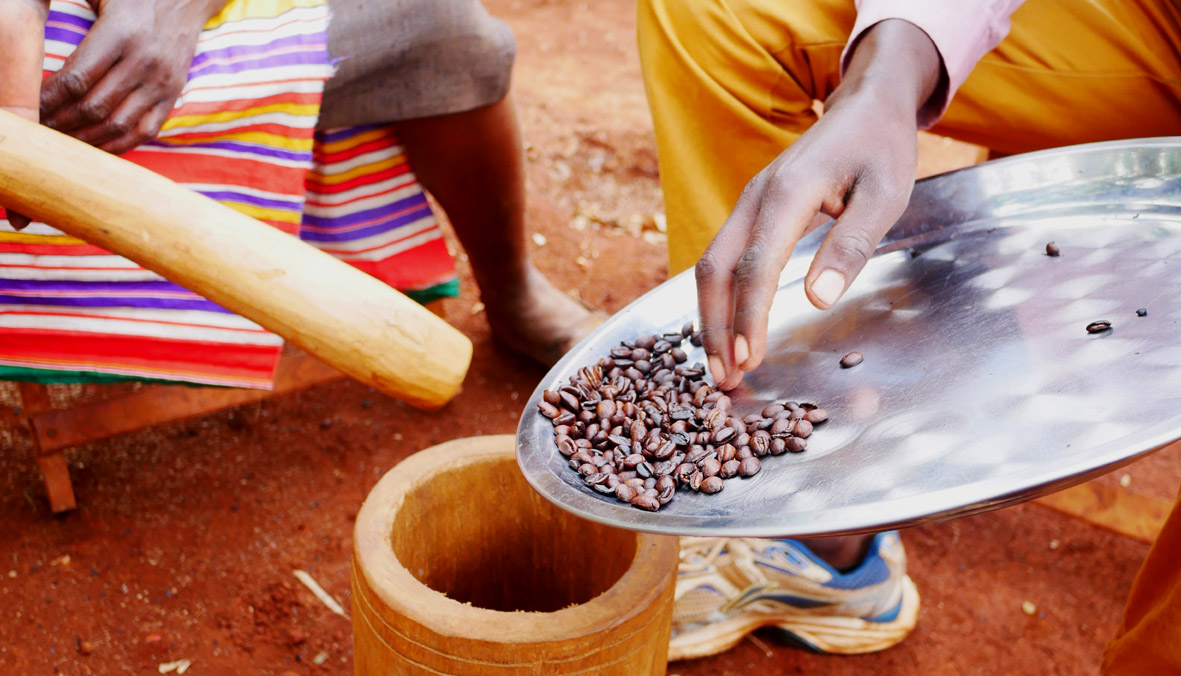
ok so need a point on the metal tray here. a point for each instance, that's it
(980, 387)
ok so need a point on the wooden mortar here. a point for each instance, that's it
(460, 567)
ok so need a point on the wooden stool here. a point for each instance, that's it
(460, 567)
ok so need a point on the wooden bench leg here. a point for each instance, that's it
(54, 470)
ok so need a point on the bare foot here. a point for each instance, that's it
(538, 321)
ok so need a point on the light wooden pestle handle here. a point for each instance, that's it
(345, 317)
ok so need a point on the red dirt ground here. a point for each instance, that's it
(187, 534)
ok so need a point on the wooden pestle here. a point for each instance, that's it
(337, 313)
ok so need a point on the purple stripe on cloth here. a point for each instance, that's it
(159, 286)
(63, 35)
(67, 18)
(416, 200)
(239, 51)
(90, 301)
(276, 61)
(368, 231)
(294, 204)
(239, 147)
(341, 134)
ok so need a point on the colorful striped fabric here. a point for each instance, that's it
(242, 132)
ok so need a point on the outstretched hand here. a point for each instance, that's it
(856, 165)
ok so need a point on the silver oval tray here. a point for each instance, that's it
(980, 387)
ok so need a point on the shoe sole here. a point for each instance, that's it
(826, 634)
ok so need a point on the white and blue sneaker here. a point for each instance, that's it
(729, 587)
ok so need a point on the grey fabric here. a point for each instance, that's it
(405, 59)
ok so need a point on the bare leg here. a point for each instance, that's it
(473, 163)
(843, 553)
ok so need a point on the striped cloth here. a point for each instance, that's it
(242, 132)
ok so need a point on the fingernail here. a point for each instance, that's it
(829, 286)
(741, 350)
(717, 370)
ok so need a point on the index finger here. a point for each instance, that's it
(97, 53)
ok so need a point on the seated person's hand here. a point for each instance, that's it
(117, 89)
(856, 165)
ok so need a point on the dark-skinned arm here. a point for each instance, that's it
(22, 31)
(856, 165)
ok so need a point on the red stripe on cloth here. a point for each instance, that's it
(196, 167)
(355, 151)
(396, 188)
(237, 105)
(316, 186)
(417, 268)
(213, 361)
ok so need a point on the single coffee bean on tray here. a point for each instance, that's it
(1099, 326)
(641, 423)
(1053, 250)
(1142, 312)
(852, 359)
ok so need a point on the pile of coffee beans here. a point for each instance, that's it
(641, 424)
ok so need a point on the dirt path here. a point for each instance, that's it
(187, 535)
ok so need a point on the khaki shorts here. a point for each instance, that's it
(405, 59)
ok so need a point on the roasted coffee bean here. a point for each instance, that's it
(566, 447)
(696, 339)
(635, 482)
(782, 428)
(604, 489)
(680, 438)
(696, 454)
(665, 495)
(684, 472)
(803, 429)
(650, 482)
(750, 467)
(743, 439)
(674, 338)
(624, 493)
(796, 444)
(726, 452)
(640, 354)
(623, 363)
(710, 467)
(772, 410)
(760, 446)
(646, 502)
(716, 418)
(644, 366)
(662, 346)
(644, 469)
(816, 416)
(778, 446)
(633, 460)
(681, 413)
(646, 342)
(790, 405)
(587, 469)
(596, 478)
(551, 397)
(729, 468)
(620, 441)
(696, 479)
(599, 461)
(723, 435)
(798, 414)
(584, 444)
(663, 468)
(678, 355)
(852, 359)
(605, 408)
(665, 451)
(548, 410)
(1142, 312)
(712, 485)
(1099, 326)
(620, 352)
(1053, 250)
(687, 329)
(570, 401)
(744, 452)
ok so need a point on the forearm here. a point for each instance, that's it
(896, 65)
(22, 31)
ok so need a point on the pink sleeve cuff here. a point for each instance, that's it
(963, 31)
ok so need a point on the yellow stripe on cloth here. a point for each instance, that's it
(296, 109)
(353, 141)
(241, 10)
(22, 238)
(258, 137)
(364, 170)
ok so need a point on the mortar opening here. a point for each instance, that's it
(480, 535)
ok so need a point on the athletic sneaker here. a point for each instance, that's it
(729, 587)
